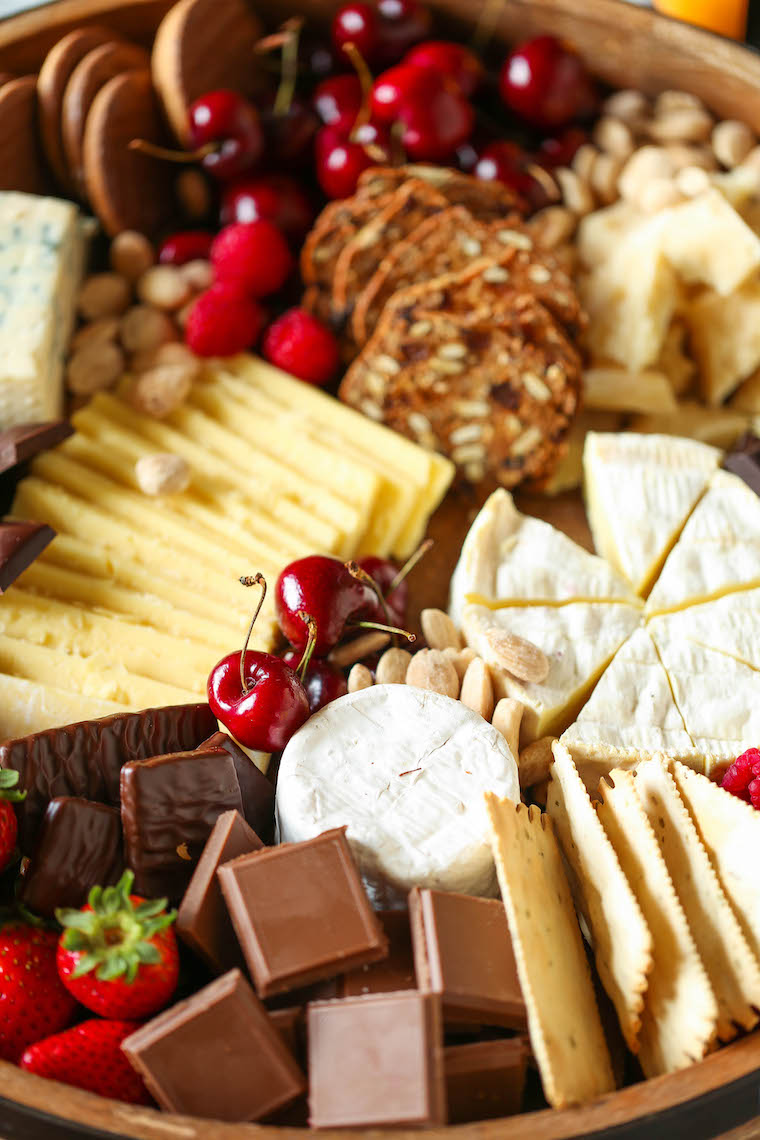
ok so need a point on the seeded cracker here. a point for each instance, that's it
(730, 830)
(620, 937)
(731, 967)
(680, 1010)
(565, 1029)
(487, 201)
(493, 386)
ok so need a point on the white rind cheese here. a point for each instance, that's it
(405, 770)
(42, 253)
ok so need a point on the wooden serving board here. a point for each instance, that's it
(626, 46)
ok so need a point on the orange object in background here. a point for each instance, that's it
(729, 17)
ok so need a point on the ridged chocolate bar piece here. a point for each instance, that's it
(85, 759)
(20, 543)
(255, 788)
(26, 440)
(78, 847)
(169, 805)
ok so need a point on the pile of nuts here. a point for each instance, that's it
(132, 322)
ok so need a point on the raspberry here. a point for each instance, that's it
(300, 344)
(743, 777)
(253, 255)
(223, 321)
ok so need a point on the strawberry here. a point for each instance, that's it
(33, 1001)
(89, 1056)
(9, 795)
(118, 954)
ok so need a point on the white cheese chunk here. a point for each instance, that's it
(42, 253)
(405, 770)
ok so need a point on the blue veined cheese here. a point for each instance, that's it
(42, 255)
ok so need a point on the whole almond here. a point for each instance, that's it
(143, 328)
(171, 352)
(362, 646)
(94, 367)
(392, 667)
(131, 254)
(164, 287)
(460, 658)
(517, 656)
(359, 678)
(506, 719)
(162, 474)
(104, 295)
(198, 274)
(535, 761)
(477, 689)
(439, 630)
(162, 390)
(432, 669)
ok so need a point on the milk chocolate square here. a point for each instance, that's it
(485, 1079)
(255, 788)
(376, 1061)
(22, 442)
(463, 951)
(396, 972)
(301, 913)
(216, 1055)
(203, 922)
(78, 847)
(169, 805)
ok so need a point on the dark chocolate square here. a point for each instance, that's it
(78, 847)
(301, 913)
(463, 951)
(485, 1079)
(216, 1055)
(203, 922)
(169, 805)
(396, 972)
(376, 1061)
(255, 788)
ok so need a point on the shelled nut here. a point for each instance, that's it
(507, 717)
(432, 669)
(104, 295)
(359, 678)
(131, 254)
(439, 630)
(392, 667)
(162, 474)
(164, 287)
(94, 367)
(477, 689)
(143, 328)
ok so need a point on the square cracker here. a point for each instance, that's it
(680, 1010)
(620, 938)
(730, 830)
(565, 1029)
(731, 966)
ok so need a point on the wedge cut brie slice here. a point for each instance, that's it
(729, 625)
(579, 639)
(640, 490)
(718, 551)
(511, 559)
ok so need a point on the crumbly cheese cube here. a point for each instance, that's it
(707, 242)
(42, 250)
(725, 339)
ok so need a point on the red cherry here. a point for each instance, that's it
(323, 588)
(290, 134)
(383, 572)
(337, 101)
(546, 83)
(223, 321)
(355, 23)
(188, 245)
(322, 681)
(265, 711)
(397, 87)
(252, 255)
(339, 162)
(300, 344)
(401, 23)
(274, 197)
(560, 149)
(447, 58)
(433, 131)
(503, 162)
(229, 121)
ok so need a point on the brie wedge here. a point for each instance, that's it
(729, 625)
(718, 551)
(512, 559)
(640, 490)
(579, 639)
(404, 770)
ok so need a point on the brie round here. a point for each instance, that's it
(404, 769)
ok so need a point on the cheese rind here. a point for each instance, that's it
(404, 769)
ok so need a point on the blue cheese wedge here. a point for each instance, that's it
(42, 254)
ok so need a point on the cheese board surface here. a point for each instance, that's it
(628, 47)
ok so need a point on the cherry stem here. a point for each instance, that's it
(251, 580)
(308, 652)
(385, 629)
(356, 571)
(398, 154)
(286, 39)
(365, 79)
(410, 564)
(165, 152)
(544, 179)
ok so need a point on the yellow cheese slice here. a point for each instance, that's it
(29, 706)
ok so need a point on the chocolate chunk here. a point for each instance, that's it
(485, 1079)
(24, 441)
(78, 847)
(475, 975)
(255, 788)
(169, 805)
(20, 543)
(85, 759)
(396, 972)
(376, 1061)
(744, 460)
(300, 912)
(203, 922)
(290, 1023)
(216, 1055)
